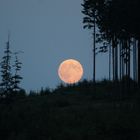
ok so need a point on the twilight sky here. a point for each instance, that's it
(48, 32)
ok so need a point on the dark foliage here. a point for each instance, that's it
(72, 112)
(16, 78)
(9, 86)
(118, 24)
(6, 84)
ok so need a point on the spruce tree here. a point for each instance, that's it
(6, 83)
(16, 78)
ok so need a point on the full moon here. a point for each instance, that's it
(70, 71)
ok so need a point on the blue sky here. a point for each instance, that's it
(48, 31)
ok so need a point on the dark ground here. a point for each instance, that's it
(72, 113)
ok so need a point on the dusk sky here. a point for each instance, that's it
(48, 32)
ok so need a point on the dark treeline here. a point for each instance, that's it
(72, 112)
(104, 89)
(117, 28)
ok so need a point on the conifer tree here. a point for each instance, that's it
(16, 78)
(118, 24)
(6, 83)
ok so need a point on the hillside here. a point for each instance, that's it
(67, 116)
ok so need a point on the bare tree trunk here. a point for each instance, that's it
(123, 63)
(109, 62)
(115, 58)
(134, 59)
(116, 62)
(125, 57)
(113, 69)
(94, 50)
(139, 62)
(120, 59)
(129, 57)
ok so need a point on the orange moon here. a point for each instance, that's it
(70, 71)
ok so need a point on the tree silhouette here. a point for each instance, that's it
(90, 23)
(118, 24)
(16, 78)
(6, 84)
(10, 81)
